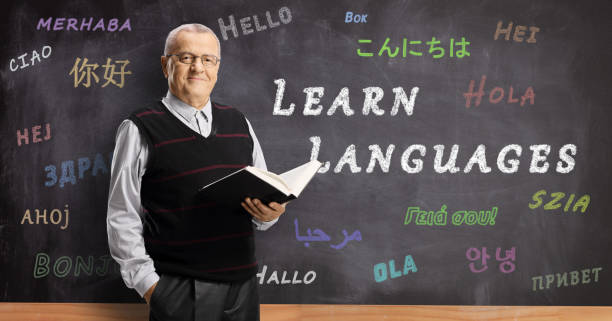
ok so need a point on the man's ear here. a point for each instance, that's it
(164, 64)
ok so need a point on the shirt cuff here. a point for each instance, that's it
(146, 283)
(262, 226)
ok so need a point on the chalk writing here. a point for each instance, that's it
(85, 25)
(45, 52)
(372, 96)
(308, 278)
(284, 16)
(319, 236)
(84, 164)
(380, 269)
(440, 218)
(434, 48)
(582, 203)
(496, 95)
(519, 32)
(355, 17)
(55, 217)
(506, 266)
(356, 236)
(584, 276)
(87, 72)
(23, 136)
(63, 265)
(539, 163)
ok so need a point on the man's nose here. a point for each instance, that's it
(197, 65)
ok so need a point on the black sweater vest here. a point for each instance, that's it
(183, 234)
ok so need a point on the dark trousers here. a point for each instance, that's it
(181, 298)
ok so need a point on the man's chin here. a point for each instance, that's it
(197, 92)
(197, 86)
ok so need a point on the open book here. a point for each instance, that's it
(257, 183)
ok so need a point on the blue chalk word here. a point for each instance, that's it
(355, 18)
(380, 269)
(84, 166)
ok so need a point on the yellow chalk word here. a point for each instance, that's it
(555, 201)
(85, 73)
(56, 216)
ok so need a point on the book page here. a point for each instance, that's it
(299, 177)
(270, 178)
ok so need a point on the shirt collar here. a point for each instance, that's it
(185, 110)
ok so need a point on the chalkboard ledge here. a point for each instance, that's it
(294, 312)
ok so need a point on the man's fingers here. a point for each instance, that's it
(259, 210)
(248, 209)
(263, 208)
(252, 206)
(262, 211)
(276, 206)
(243, 204)
(253, 213)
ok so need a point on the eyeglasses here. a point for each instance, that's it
(188, 59)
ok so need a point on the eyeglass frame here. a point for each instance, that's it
(217, 59)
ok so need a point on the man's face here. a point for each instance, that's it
(191, 83)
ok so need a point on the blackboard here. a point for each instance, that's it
(366, 231)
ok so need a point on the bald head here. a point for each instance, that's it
(191, 27)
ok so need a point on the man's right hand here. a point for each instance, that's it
(147, 295)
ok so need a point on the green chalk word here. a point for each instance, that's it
(555, 201)
(440, 218)
(585, 276)
(66, 265)
(435, 48)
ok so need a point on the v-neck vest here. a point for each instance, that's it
(183, 234)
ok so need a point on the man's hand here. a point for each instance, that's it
(147, 295)
(262, 212)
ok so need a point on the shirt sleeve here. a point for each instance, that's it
(259, 162)
(123, 220)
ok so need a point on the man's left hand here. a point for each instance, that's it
(261, 211)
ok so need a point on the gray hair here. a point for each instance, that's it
(193, 27)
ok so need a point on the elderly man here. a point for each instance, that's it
(189, 259)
